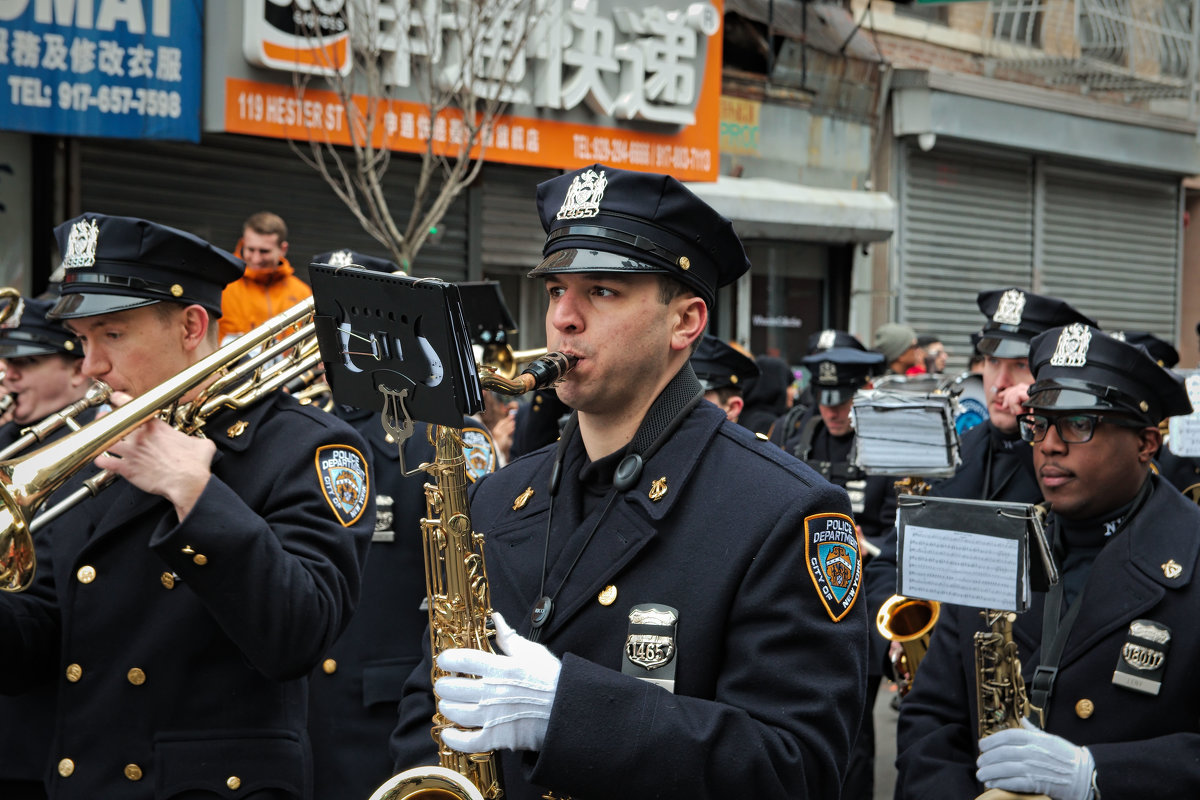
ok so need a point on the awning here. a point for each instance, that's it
(762, 208)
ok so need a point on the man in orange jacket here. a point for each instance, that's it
(269, 284)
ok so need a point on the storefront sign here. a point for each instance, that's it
(635, 86)
(739, 125)
(120, 68)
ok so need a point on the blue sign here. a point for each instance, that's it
(128, 69)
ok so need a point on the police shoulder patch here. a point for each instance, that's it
(342, 472)
(480, 452)
(831, 554)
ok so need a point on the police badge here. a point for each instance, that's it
(479, 452)
(827, 339)
(1072, 347)
(650, 644)
(831, 552)
(341, 258)
(827, 373)
(1010, 308)
(342, 472)
(584, 195)
(81, 245)
(1143, 657)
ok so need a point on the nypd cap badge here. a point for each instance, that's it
(831, 553)
(342, 472)
(1072, 347)
(1010, 308)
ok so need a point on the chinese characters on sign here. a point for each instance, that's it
(632, 85)
(101, 68)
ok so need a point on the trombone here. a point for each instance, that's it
(234, 376)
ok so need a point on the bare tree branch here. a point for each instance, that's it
(466, 90)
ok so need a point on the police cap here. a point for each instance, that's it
(718, 365)
(841, 371)
(27, 332)
(1080, 368)
(603, 219)
(1161, 351)
(823, 340)
(117, 263)
(1015, 316)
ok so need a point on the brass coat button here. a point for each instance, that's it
(168, 579)
(136, 676)
(65, 767)
(74, 672)
(133, 772)
(86, 574)
(329, 665)
(200, 559)
(1085, 708)
(233, 782)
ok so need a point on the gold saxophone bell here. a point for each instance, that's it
(503, 360)
(909, 622)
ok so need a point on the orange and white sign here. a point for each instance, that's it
(310, 36)
(637, 88)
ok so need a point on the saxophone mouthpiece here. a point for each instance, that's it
(547, 370)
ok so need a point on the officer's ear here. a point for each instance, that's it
(1149, 443)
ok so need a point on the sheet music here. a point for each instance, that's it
(968, 569)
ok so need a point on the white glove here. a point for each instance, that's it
(1028, 759)
(509, 703)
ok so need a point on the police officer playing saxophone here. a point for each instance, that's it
(657, 635)
(44, 376)
(1109, 652)
(354, 692)
(180, 612)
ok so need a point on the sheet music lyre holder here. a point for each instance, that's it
(397, 343)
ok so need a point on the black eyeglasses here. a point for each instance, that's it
(1072, 428)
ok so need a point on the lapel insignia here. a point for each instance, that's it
(826, 340)
(658, 489)
(1143, 657)
(479, 452)
(343, 474)
(523, 498)
(650, 645)
(608, 595)
(1072, 347)
(81, 244)
(831, 552)
(584, 195)
(237, 429)
(383, 519)
(1010, 308)
(1172, 569)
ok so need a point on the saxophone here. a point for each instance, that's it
(999, 688)
(456, 587)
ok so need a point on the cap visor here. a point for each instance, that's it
(1069, 400)
(576, 260)
(23, 349)
(998, 347)
(835, 396)
(76, 305)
